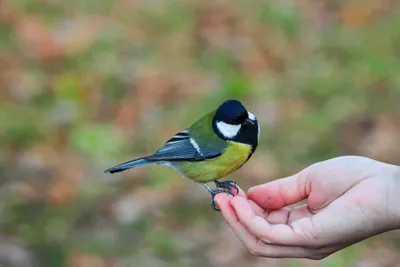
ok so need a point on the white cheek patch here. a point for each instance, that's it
(228, 130)
(251, 116)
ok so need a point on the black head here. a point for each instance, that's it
(233, 122)
(231, 112)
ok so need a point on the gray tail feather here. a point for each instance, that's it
(129, 164)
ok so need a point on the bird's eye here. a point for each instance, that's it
(241, 118)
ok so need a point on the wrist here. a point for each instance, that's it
(393, 196)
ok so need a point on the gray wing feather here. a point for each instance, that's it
(180, 147)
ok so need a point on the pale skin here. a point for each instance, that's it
(348, 198)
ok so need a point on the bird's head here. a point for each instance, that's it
(232, 121)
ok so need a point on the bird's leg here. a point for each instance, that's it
(214, 192)
(227, 184)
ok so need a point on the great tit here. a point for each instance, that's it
(213, 147)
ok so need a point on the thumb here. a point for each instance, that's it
(282, 192)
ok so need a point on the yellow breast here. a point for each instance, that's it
(235, 155)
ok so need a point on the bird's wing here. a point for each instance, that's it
(183, 147)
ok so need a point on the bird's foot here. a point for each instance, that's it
(214, 192)
(227, 185)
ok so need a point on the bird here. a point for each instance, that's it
(213, 147)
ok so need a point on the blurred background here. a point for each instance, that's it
(85, 85)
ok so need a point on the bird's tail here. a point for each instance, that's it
(129, 164)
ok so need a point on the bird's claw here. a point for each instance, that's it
(227, 185)
(214, 193)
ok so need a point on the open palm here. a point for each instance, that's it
(348, 199)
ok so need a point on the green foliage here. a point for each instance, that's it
(97, 141)
(20, 127)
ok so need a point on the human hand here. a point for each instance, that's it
(348, 199)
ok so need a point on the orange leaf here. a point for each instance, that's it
(39, 39)
(354, 15)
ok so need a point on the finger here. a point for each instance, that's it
(298, 213)
(222, 200)
(258, 210)
(280, 234)
(252, 243)
(282, 192)
(230, 216)
(278, 216)
(276, 251)
(272, 216)
(241, 192)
